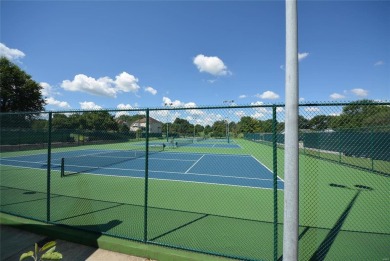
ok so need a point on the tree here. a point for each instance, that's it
(249, 125)
(207, 130)
(98, 121)
(18, 92)
(219, 129)
(266, 126)
(320, 122)
(303, 123)
(61, 121)
(181, 127)
(363, 113)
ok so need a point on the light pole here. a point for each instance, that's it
(168, 104)
(229, 102)
(227, 129)
(194, 126)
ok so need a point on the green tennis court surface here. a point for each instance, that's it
(342, 217)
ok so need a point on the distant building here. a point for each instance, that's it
(155, 126)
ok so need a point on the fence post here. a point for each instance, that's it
(48, 167)
(371, 148)
(146, 176)
(339, 143)
(19, 138)
(275, 180)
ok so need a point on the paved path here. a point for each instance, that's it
(15, 242)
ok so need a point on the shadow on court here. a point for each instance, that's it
(323, 249)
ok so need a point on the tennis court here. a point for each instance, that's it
(212, 143)
(190, 195)
(234, 170)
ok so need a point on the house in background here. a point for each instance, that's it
(155, 126)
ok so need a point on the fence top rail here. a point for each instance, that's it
(234, 106)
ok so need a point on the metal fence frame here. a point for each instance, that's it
(274, 140)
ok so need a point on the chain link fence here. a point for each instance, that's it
(205, 179)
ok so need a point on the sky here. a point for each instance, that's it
(147, 54)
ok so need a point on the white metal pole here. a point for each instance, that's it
(291, 160)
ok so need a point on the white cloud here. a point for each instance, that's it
(46, 90)
(379, 63)
(240, 114)
(193, 112)
(54, 102)
(242, 96)
(302, 56)
(10, 54)
(89, 106)
(268, 95)
(126, 82)
(169, 103)
(260, 111)
(335, 114)
(190, 105)
(124, 106)
(336, 96)
(257, 103)
(104, 86)
(301, 99)
(360, 92)
(257, 115)
(176, 103)
(210, 64)
(151, 90)
(312, 109)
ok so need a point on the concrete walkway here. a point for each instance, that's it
(14, 242)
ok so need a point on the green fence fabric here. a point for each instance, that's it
(205, 179)
(369, 143)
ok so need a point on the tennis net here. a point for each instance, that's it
(183, 142)
(103, 159)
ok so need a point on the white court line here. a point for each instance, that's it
(185, 181)
(170, 172)
(267, 168)
(142, 170)
(33, 162)
(194, 163)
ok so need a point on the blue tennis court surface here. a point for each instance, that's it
(223, 169)
(203, 144)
